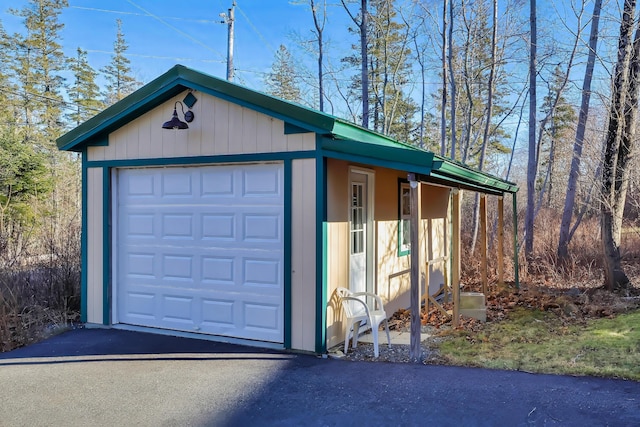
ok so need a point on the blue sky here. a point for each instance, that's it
(161, 33)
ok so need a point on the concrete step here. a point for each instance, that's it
(472, 304)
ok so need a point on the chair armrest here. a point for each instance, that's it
(352, 298)
(378, 300)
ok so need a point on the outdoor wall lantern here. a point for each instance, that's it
(175, 122)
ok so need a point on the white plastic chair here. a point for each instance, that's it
(357, 313)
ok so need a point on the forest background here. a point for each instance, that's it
(544, 95)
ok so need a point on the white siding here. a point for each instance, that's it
(95, 229)
(303, 255)
(219, 128)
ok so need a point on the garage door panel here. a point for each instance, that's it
(141, 305)
(139, 265)
(216, 184)
(262, 273)
(202, 250)
(178, 309)
(178, 267)
(139, 186)
(176, 184)
(261, 183)
(218, 270)
(217, 313)
(218, 227)
(261, 227)
(262, 316)
(178, 226)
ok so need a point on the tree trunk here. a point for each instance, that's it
(487, 125)
(364, 68)
(532, 163)
(364, 57)
(443, 111)
(574, 172)
(452, 82)
(617, 149)
(319, 32)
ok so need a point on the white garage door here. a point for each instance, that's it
(200, 249)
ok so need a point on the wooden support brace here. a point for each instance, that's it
(455, 255)
(500, 241)
(416, 326)
(483, 243)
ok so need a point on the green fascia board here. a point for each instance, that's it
(394, 156)
(178, 79)
(448, 169)
(345, 130)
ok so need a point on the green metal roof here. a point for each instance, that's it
(340, 139)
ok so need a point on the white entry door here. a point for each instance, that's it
(360, 232)
(201, 249)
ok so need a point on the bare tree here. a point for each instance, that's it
(452, 83)
(443, 110)
(364, 71)
(532, 163)
(319, 20)
(618, 145)
(569, 202)
(487, 124)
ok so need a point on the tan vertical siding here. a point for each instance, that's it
(337, 246)
(219, 128)
(392, 278)
(303, 255)
(95, 222)
(337, 275)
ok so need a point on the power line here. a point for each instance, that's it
(67, 104)
(179, 31)
(141, 55)
(253, 27)
(122, 12)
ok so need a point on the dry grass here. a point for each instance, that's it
(36, 302)
(560, 320)
(541, 341)
(39, 295)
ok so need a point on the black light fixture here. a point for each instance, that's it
(175, 122)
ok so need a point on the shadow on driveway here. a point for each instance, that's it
(112, 377)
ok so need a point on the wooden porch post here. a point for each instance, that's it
(455, 255)
(414, 231)
(516, 269)
(483, 242)
(500, 241)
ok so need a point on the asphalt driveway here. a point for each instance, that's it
(95, 377)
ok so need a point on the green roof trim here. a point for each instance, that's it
(450, 170)
(337, 138)
(178, 79)
(398, 157)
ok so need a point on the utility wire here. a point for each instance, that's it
(141, 55)
(253, 27)
(67, 104)
(122, 12)
(179, 31)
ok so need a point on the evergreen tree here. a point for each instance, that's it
(84, 91)
(37, 65)
(282, 81)
(7, 88)
(393, 110)
(555, 136)
(24, 177)
(120, 82)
